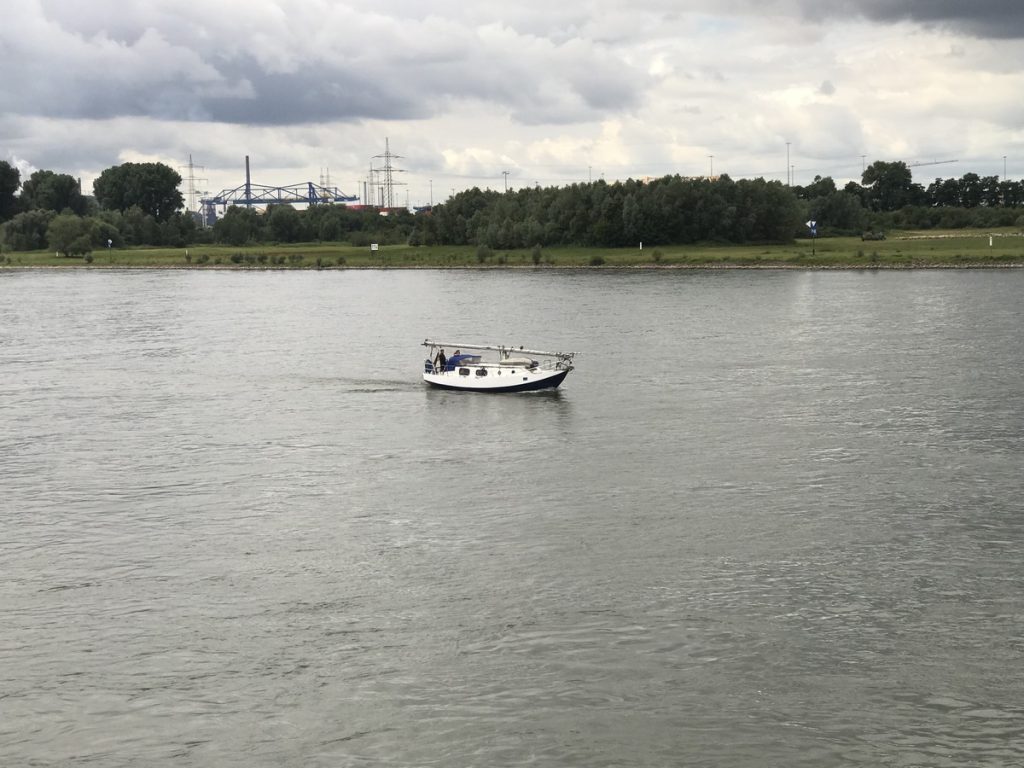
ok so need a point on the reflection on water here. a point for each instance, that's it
(772, 518)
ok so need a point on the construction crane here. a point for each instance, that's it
(932, 162)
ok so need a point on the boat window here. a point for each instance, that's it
(481, 371)
(463, 371)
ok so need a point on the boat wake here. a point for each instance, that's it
(372, 386)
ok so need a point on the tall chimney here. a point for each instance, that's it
(248, 185)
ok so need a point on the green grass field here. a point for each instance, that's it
(958, 248)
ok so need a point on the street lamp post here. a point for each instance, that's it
(1003, 182)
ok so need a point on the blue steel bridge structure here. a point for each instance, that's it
(249, 195)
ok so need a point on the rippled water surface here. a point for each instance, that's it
(772, 519)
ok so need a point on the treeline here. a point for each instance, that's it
(132, 204)
(322, 223)
(667, 210)
(674, 210)
(138, 204)
(888, 198)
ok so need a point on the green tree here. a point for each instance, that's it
(104, 235)
(178, 231)
(27, 231)
(774, 212)
(820, 187)
(139, 228)
(991, 194)
(427, 226)
(330, 229)
(944, 192)
(10, 180)
(632, 227)
(70, 234)
(890, 186)
(970, 190)
(152, 187)
(284, 223)
(840, 212)
(237, 227)
(855, 189)
(49, 191)
(1011, 193)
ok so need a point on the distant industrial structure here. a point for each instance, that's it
(379, 188)
(378, 191)
(250, 194)
(192, 179)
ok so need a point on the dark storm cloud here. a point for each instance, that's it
(309, 96)
(315, 95)
(77, 65)
(1003, 19)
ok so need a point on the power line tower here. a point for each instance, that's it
(388, 183)
(192, 179)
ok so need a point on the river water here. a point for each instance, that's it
(774, 518)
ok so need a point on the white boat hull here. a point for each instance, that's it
(495, 378)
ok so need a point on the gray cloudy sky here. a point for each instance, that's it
(551, 92)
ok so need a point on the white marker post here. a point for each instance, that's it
(813, 226)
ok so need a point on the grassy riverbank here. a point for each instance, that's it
(958, 248)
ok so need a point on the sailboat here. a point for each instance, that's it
(494, 368)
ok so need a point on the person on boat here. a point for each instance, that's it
(440, 361)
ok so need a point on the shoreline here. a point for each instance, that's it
(517, 267)
(935, 249)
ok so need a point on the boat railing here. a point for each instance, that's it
(501, 349)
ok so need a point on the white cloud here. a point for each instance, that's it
(550, 93)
